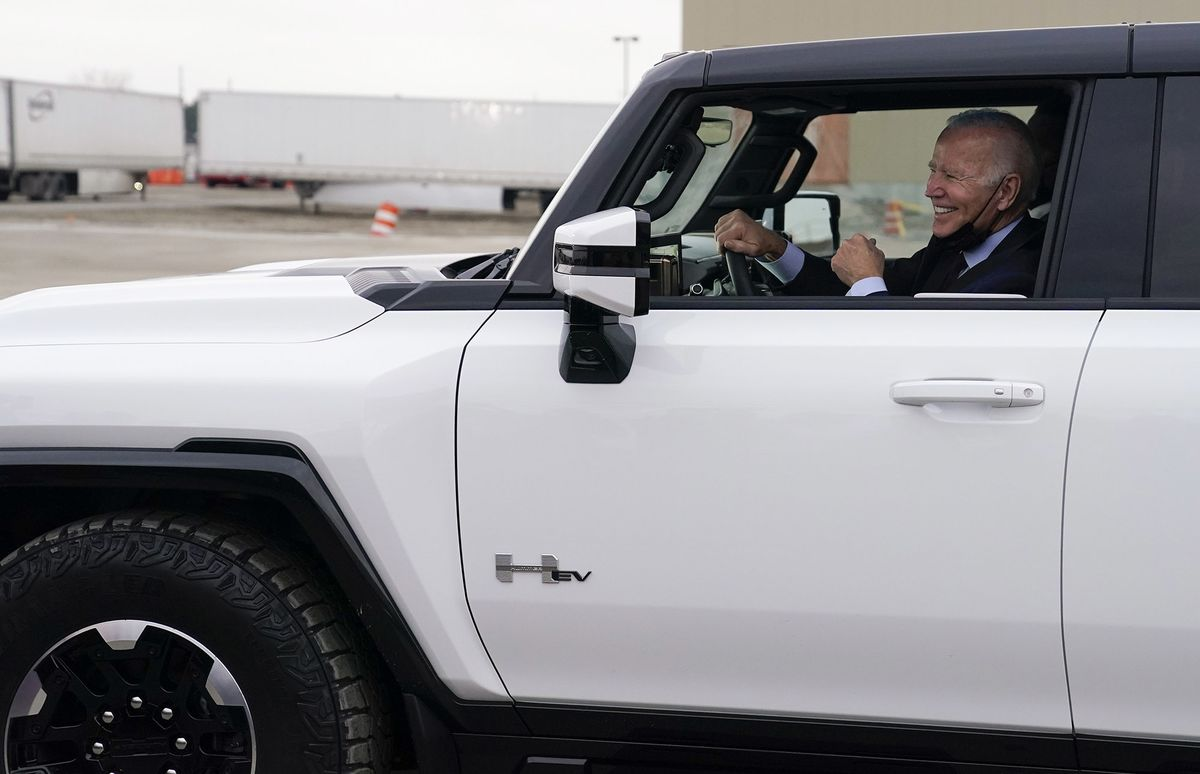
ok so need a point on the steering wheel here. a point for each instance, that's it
(739, 274)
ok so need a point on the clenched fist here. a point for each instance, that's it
(857, 258)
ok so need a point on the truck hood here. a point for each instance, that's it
(292, 301)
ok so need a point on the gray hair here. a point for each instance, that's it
(1015, 152)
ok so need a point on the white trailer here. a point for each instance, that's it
(57, 140)
(462, 154)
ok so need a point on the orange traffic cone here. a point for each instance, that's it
(385, 219)
(893, 218)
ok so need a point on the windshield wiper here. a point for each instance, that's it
(490, 268)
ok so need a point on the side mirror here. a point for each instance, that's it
(714, 132)
(604, 259)
(602, 266)
(811, 219)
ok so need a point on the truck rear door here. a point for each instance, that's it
(1131, 531)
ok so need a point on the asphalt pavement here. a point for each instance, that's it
(190, 229)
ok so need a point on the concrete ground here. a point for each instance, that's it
(191, 229)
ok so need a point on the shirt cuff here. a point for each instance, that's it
(866, 286)
(787, 266)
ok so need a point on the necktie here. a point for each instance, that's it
(949, 267)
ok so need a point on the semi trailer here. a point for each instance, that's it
(58, 140)
(437, 153)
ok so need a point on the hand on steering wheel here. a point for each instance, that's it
(737, 231)
(739, 274)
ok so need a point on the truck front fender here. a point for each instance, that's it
(79, 482)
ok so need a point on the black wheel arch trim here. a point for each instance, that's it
(280, 472)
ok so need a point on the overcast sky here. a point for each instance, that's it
(490, 49)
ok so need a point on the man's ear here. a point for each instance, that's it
(1010, 188)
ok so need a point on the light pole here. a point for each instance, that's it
(625, 40)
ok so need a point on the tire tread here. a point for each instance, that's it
(361, 717)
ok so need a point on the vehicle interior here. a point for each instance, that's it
(816, 164)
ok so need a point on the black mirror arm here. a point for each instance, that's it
(596, 347)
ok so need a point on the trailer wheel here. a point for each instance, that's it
(156, 641)
(34, 187)
(44, 185)
(56, 188)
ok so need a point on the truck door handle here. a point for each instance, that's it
(986, 392)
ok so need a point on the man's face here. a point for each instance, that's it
(960, 181)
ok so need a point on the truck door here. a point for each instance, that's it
(758, 521)
(1131, 531)
(751, 524)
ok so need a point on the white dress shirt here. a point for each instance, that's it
(788, 265)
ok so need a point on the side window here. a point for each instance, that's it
(1175, 272)
(881, 173)
(811, 166)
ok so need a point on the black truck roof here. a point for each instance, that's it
(1123, 49)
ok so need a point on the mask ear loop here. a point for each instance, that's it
(985, 206)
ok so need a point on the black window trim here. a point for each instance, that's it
(1046, 285)
(1092, 139)
(801, 303)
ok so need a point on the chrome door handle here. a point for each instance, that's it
(986, 392)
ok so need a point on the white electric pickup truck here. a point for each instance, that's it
(616, 501)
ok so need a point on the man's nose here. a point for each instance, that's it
(933, 187)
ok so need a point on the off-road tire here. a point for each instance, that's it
(264, 611)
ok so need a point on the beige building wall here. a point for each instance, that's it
(720, 24)
(872, 148)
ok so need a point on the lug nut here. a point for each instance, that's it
(167, 713)
(180, 743)
(107, 717)
(97, 748)
(136, 702)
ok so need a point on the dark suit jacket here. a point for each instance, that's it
(1011, 268)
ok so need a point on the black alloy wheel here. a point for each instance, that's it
(147, 643)
(124, 695)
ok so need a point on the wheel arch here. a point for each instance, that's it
(269, 484)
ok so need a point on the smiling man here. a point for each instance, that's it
(982, 176)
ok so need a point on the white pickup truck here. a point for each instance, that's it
(352, 516)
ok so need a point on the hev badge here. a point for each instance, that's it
(548, 569)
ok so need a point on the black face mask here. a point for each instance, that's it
(968, 236)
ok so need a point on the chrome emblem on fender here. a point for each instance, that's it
(548, 569)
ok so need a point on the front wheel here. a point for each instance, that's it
(144, 643)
